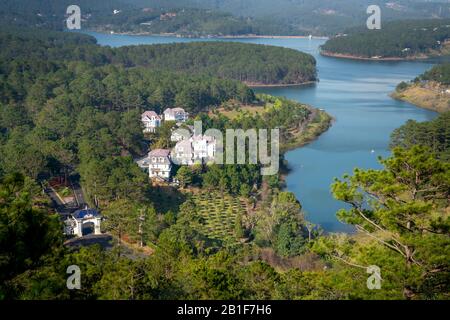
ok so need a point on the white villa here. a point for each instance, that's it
(175, 114)
(151, 121)
(158, 163)
(196, 149)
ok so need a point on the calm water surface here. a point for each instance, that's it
(355, 93)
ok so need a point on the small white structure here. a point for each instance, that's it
(151, 120)
(82, 219)
(175, 114)
(159, 164)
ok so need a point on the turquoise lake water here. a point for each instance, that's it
(355, 93)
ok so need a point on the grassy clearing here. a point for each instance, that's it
(235, 112)
(219, 213)
(424, 98)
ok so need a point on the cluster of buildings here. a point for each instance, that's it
(189, 149)
(151, 120)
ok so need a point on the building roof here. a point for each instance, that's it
(85, 213)
(174, 111)
(150, 114)
(203, 138)
(159, 153)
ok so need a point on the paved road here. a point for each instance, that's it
(78, 193)
(60, 206)
(104, 240)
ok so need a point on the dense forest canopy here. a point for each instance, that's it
(400, 39)
(62, 105)
(439, 73)
(231, 60)
(434, 134)
(407, 237)
(237, 61)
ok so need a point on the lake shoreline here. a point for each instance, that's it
(351, 57)
(307, 137)
(280, 85)
(423, 98)
(175, 35)
(310, 134)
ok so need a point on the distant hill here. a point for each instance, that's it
(188, 22)
(314, 16)
(409, 39)
(51, 13)
(214, 17)
(115, 15)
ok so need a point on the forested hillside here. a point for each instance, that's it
(434, 134)
(188, 22)
(53, 96)
(210, 17)
(115, 15)
(401, 39)
(51, 13)
(254, 64)
(319, 17)
(439, 73)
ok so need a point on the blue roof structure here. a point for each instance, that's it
(81, 214)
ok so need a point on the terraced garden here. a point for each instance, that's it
(220, 213)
